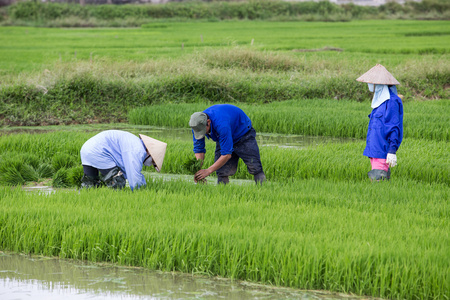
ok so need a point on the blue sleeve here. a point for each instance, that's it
(199, 145)
(394, 125)
(225, 140)
(133, 168)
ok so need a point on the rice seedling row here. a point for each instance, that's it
(387, 240)
(420, 160)
(318, 117)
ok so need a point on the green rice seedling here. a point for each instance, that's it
(381, 240)
(45, 170)
(10, 161)
(318, 117)
(28, 173)
(45, 145)
(192, 165)
(11, 176)
(60, 179)
(10, 166)
(62, 160)
(422, 160)
(74, 176)
(29, 158)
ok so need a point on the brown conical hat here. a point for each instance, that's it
(378, 75)
(157, 150)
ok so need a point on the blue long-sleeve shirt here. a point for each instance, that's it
(116, 148)
(228, 124)
(385, 133)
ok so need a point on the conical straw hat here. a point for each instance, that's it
(157, 150)
(378, 75)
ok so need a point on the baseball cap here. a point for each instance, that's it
(198, 123)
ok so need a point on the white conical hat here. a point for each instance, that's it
(378, 75)
(157, 150)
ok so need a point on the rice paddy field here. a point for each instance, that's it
(318, 223)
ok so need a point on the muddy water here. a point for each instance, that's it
(41, 278)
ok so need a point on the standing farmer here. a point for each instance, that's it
(385, 131)
(232, 130)
(119, 155)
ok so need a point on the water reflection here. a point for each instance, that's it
(25, 277)
(44, 190)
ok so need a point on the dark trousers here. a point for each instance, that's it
(93, 172)
(247, 149)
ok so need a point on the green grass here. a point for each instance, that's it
(74, 15)
(48, 84)
(387, 240)
(396, 41)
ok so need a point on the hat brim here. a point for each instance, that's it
(378, 75)
(199, 134)
(156, 149)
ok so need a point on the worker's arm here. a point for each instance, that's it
(200, 156)
(214, 167)
(132, 168)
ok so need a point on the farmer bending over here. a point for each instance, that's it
(119, 155)
(232, 130)
(385, 131)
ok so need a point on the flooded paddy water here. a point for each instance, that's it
(183, 134)
(43, 278)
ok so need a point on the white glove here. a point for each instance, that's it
(391, 160)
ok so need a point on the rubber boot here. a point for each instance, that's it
(115, 179)
(378, 175)
(89, 182)
(223, 180)
(260, 178)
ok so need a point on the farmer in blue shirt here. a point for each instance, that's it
(119, 155)
(232, 130)
(385, 132)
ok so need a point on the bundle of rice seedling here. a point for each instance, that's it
(74, 176)
(28, 173)
(60, 179)
(62, 160)
(193, 165)
(10, 167)
(11, 176)
(45, 170)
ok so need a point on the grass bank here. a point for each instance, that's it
(98, 75)
(387, 240)
(73, 15)
(95, 93)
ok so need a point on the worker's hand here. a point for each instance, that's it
(203, 173)
(391, 160)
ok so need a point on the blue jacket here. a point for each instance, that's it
(116, 148)
(385, 131)
(228, 124)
